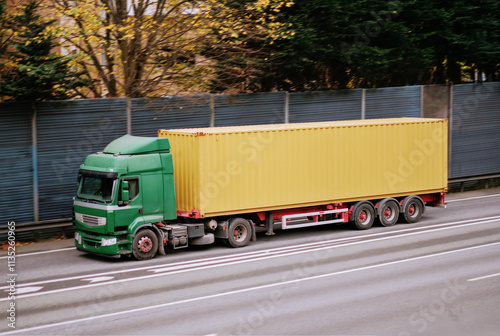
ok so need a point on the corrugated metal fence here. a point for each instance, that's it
(475, 120)
(67, 131)
(42, 145)
(16, 163)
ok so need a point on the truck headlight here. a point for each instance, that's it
(108, 242)
(78, 238)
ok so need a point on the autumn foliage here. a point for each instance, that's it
(145, 48)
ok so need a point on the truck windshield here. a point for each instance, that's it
(96, 188)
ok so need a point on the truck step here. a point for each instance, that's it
(286, 224)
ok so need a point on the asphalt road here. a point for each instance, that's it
(440, 276)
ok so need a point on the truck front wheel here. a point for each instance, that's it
(144, 245)
(240, 232)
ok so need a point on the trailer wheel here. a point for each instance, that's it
(388, 212)
(363, 215)
(144, 245)
(239, 232)
(413, 209)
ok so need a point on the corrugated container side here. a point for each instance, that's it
(247, 169)
(186, 158)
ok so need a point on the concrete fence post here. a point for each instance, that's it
(287, 107)
(212, 110)
(129, 115)
(363, 104)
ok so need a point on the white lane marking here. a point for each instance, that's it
(294, 252)
(73, 248)
(198, 262)
(28, 290)
(240, 261)
(259, 254)
(25, 290)
(283, 251)
(99, 279)
(485, 277)
(471, 198)
(238, 291)
(41, 252)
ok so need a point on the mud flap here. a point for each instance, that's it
(221, 230)
(161, 245)
(254, 235)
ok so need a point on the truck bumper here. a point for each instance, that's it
(110, 246)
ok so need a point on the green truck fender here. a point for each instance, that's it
(139, 225)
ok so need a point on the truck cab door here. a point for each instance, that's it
(130, 205)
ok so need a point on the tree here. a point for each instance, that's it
(6, 34)
(38, 73)
(240, 46)
(134, 48)
(372, 43)
(146, 48)
(307, 56)
(142, 48)
(385, 51)
(329, 44)
(477, 41)
(345, 44)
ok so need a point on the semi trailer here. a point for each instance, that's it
(142, 195)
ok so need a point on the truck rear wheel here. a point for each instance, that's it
(239, 232)
(413, 209)
(363, 215)
(144, 245)
(388, 212)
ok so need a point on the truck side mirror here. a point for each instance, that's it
(125, 192)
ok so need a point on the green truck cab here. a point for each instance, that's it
(126, 188)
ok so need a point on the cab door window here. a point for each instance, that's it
(133, 188)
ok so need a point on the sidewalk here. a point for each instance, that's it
(473, 193)
(41, 246)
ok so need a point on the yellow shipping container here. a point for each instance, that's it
(244, 169)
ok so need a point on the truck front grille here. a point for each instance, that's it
(90, 220)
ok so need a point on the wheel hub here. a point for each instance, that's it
(411, 210)
(388, 213)
(362, 216)
(145, 244)
(240, 233)
(237, 233)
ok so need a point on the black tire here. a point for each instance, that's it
(239, 232)
(363, 215)
(144, 245)
(388, 212)
(413, 209)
